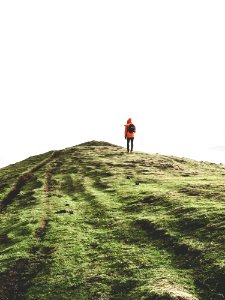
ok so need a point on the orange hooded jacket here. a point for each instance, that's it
(127, 133)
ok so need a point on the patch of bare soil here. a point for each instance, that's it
(175, 292)
(41, 229)
(13, 282)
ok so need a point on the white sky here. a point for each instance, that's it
(75, 71)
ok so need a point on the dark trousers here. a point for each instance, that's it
(130, 140)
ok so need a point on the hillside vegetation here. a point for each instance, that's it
(94, 222)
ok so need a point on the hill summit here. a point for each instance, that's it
(95, 222)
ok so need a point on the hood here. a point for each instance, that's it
(129, 121)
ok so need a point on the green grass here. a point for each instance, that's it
(93, 222)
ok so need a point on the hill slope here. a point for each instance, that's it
(94, 222)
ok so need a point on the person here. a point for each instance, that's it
(129, 134)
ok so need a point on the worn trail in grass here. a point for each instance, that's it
(104, 224)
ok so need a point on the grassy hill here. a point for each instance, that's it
(95, 222)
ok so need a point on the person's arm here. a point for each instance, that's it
(125, 132)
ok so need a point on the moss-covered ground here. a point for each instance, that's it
(94, 222)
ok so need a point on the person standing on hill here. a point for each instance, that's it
(130, 130)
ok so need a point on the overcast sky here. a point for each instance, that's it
(75, 71)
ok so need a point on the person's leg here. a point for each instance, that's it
(132, 143)
(128, 142)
